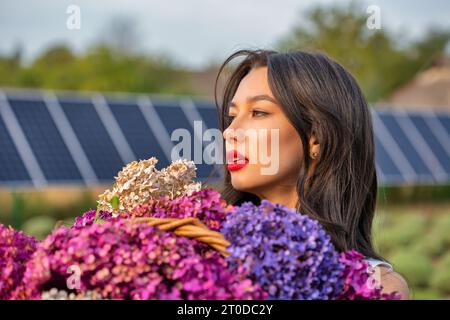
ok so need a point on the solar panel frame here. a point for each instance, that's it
(13, 170)
(395, 162)
(411, 159)
(421, 145)
(48, 147)
(70, 138)
(437, 126)
(97, 143)
(429, 135)
(137, 132)
(208, 112)
(411, 147)
(174, 117)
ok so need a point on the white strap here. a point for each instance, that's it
(375, 263)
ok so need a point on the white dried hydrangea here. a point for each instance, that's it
(140, 181)
(55, 294)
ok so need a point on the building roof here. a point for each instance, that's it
(430, 89)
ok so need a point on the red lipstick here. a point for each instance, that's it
(235, 160)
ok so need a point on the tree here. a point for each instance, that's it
(378, 59)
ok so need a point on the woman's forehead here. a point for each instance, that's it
(254, 86)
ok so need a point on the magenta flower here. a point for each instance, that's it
(358, 284)
(88, 218)
(124, 260)
(16, 249)
(205, 205)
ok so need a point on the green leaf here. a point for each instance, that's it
(115, 202)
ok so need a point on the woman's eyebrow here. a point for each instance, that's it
(253, 99)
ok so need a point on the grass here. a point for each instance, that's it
(416, 240)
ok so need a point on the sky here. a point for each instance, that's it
(195, 33)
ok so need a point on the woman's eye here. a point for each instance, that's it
(258, 113)
(230, 117)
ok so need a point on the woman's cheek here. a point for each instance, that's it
(290, 154)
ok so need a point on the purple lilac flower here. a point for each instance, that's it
(16, 249)
(124, 260)
(288, 254)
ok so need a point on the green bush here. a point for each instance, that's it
(445, 261)
(440, 280)
(418, 221)
(441, 227)
(424, 294)
(401, 233)
(416, 268)
(387, 241)
(431, 245)
(39, 227)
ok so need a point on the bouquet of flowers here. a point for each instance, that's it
(159, 235)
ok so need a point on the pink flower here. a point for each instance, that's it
(357, 282)
(121, 259)
(16, 249)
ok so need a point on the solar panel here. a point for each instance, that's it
(209, 113)
(76, 138)
(12, 167)
(173, 117)
(438, 149)
(420, 144)
(411, 156)
(388, 170)
(93, 137)
(137, 132)
(445, 122)
(45, 140)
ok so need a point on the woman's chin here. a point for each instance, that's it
(247, 179)
(240, 181)
(243, 182)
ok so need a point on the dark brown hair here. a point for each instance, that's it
(318, 96)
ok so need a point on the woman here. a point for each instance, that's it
(323, 146)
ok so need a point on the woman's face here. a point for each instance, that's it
(261, 133)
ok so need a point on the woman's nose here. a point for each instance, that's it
(227, 134)
(236, 131)
(233, 132)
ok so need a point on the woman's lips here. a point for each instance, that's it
(235, 160)
(236, 166)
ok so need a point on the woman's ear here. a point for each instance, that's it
(314, 146)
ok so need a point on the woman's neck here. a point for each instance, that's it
(286, 196)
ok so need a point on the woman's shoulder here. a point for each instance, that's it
(389, 279)
(392, 281)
